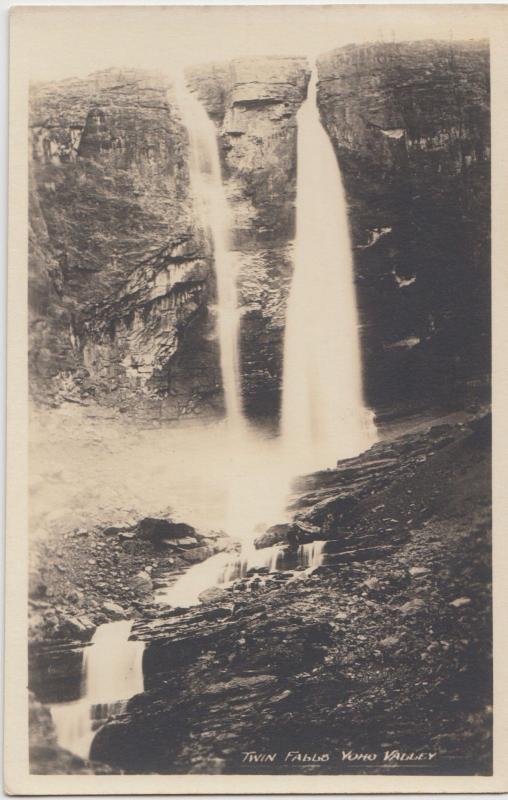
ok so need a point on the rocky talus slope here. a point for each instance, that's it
(383, 648)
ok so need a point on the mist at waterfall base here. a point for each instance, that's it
(323, 414)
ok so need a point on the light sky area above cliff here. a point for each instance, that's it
(74, 42)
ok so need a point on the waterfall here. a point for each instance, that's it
(224, 568)
(211, 204)
(268, 558)
(311, 554)
(217, 571)
(323, 414)
(204, 575)
(112, 672)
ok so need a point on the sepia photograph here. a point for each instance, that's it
(253, 257)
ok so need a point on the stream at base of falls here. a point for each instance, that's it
(112, 665)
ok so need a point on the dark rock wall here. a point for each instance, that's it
(410, 125)
(119, 272)
(122, 286)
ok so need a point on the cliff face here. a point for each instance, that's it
(133, 272)
(410, 125)
(254, 104)
(122, 286)
(116, 247)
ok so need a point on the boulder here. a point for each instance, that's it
(213, 594)
(274, 535)
(158, 531)
(307, 528)
(186, 541)
(415, 572)
(460, 601)
(389, 642)
(126, 535)
(412, 606)
(142, 582)
(81, 628)
(222, 543)
(195, 554)
(113, 610)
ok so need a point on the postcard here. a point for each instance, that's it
(255, 257)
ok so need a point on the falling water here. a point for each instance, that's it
(310, 555)
(266, 558)
(324, 417)
(186, 590)
(323, 413)
(112, 671)
(217, 571)
(212, 206)
(223, 568)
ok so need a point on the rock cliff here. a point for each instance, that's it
(121, 277)
(410, 125)
(122, 286)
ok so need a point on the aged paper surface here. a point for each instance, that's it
(249, 388)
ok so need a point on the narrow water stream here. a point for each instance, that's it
(223, 568)
(112, 670)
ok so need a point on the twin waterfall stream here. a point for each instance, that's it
(323, 415)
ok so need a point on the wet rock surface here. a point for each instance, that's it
(385, 653)
(410, 123)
